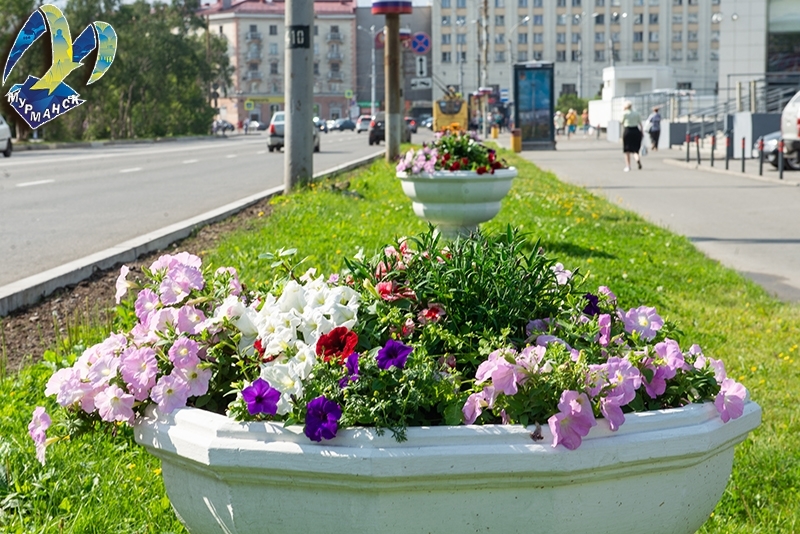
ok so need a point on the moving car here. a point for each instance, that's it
(362, 124)
(275, 140)
(377, 130)
(428, 123)
(412, 124)
(6, 147)
(222, 126)
(322, 126)
(790, 130)
(344, 124)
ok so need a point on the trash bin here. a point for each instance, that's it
(516, 140)
(495, 132)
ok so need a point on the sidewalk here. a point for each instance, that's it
(748, 223)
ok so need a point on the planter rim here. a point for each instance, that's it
(499, 174)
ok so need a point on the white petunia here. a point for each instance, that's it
(286, 379)
(293, 297)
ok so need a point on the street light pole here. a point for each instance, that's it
(372, 34)
(460, 23)
(511, 54)
(485, 70)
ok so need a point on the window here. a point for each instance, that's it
(273, 29)
(638, 2)
(499, 20)
(692, 2)
(677, 2)
(499, 57)
(253, 28)
(537, 55)
(273, 49)
(576, 19)
(576, 3)
(576, 38)
(523, 3)
(561, 3)
(445, 21)
(461, 4)
(599, 37)
(538, 20)
(677, 54)
(638, 37)
(599, 55)
(561, 38)
(538, 38)
(599, 3)
(334, 29)
(273, 68)
(652, 55)
(677, 36)
(714, 55)
(446, 4)
(714, 35)
(600, 19)
(684, 85)
(691, 54)
(316, 49)
(499, 38)
(691, 37)
(614, 17)
(335, 68)
(522, 38)
(522, 56)
(445, 57)
(568, 89)
(638, 55)
(653, 18)
(677, 19)
(561, 55)
(638, 18)
(537, 3)
(561, 20)
(653, 37)
(463, 57)
(316, 29)
(576, 55)
(445, 38)
(714, 2)
(615, 37)
(461, 38)
(316, 69)
(615, 3)
(499, 3)
(461, 20)
(691, 18)
(653, 2)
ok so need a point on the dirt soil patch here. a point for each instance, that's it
(26, 333)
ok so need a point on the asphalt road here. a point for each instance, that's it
(60, 205)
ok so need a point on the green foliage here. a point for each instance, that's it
(570, 100)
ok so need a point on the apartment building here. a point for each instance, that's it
(580, 36)
(255, 32)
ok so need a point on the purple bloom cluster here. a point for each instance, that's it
(322, 419)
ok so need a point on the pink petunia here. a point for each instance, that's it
(170, 393)
(432, 314)
(139, 369)
(183, 352)
(477, 402)
(671, 353)
(573, 421)
(190, 320)
(196, 379)
(113, 404)
(730, 400)
(603, 290)
(122, 284)
(103, 370)
(604, 322)
(146, 304)
(234, 283)
(562, 275)
(644, 320)
(37, 430)
(661, 373)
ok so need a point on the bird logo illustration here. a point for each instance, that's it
(40, 100)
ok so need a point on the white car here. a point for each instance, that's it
(790, 130)
(5, 138)
(362, 124)
(276, 127)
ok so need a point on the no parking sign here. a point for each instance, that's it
(420, 43)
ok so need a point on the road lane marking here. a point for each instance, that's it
(261, 152)
(133, 169)
(191, 161)
(230, 156)
(38, 182)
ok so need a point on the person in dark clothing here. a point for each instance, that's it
(654, 128)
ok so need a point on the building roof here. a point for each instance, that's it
(276, 7)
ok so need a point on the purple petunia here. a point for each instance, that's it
(592, 307)
(644, 320)
(322, 419)
(351, 367)
(393, 353)
(261, 397)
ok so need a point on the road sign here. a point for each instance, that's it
(420, 43)
(421, 64)
(504, 95)
(348, 93)
(421, 83)
(249, 105)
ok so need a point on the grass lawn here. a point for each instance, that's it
(106, 484)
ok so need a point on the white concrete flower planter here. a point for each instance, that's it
(661, 473)
(457, 201)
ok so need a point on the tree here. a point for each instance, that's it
(571, 100)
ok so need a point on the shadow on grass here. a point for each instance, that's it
(576, 251)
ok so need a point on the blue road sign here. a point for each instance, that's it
(420, 43)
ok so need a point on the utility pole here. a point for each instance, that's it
(392, 77)
(373, 75)
(299, 94)
(485, 70)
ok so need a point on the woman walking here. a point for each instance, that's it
(654, 128)
(632, 135)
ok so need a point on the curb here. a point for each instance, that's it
(30, 290)
(96, 144)
(707, 168)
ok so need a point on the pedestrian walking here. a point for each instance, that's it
(654, 128)
(572, 122)
(585, 121)
(558, 121)
(632, 135)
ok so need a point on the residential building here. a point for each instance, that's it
(581, 37)
(255, 32)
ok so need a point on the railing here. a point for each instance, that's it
(337, 56)
(252, 75)
(335, 76)
(334, 36)
(253, 36)
(254, 55)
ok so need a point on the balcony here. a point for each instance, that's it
(254, 55)
(335, 56)
(334, 37)
(335, 76)
(253, 36)
(252, 75)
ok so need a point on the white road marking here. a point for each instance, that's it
(230, 156)
(133, 169)
(191, 161)
(38, 182)
(261, 152)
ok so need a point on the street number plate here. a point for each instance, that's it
(298, 37)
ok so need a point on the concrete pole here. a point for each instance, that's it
(393, 91)
(299, 94)
(374, 75)
(485, 70)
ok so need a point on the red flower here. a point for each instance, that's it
(481, 170)
(337, 344)
(492, 156)
(465, 162)
(446, 158)
(455, 166)
(260, 349)
(497, 165)
(390, 291)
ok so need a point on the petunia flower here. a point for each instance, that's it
(476, 402)
(337, 344)
(261, 397)
(604, 336)
(351, 370)
(432, 314)
(114, 404)
(37, 430)
(672, 355)
(184, 352)
(190, 320)
(146, 303)
(139, 369)
(592, 307)
(730, 400)
(562, 275)
(573, 421)
(322, 419)
(170, 393)
(394, 354)
(644, 320)
(122, 284)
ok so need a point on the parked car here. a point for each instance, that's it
(222, 126)
(377, 130)
(255, 126)
(362, 124)
(5, 138)
(329, 123)
(790, 130)
(412, 124)
(322, 126)
(344, 124)
(428, 123)
(275, 140)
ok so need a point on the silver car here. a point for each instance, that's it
(275, 131)
(5, 139)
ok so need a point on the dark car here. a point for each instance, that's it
(321, 124)
(412, 124)
(344, 124)
(222, 126)
(377, 130)
(771, 152)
